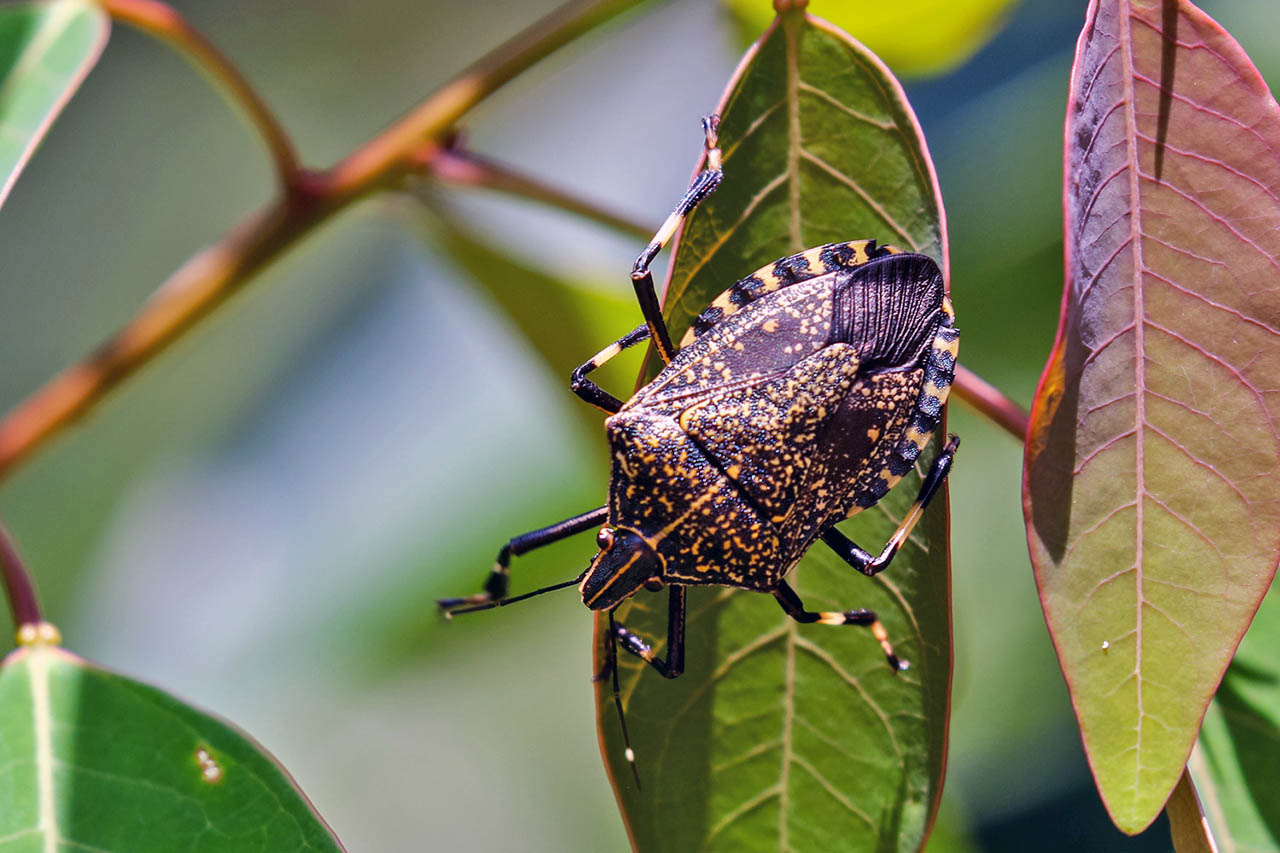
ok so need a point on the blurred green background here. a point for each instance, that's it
(260, 522)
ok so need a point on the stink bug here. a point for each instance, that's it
(798, 398)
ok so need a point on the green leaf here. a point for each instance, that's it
(783, 736)
(916, 38)
(46, 49)
(93, 761)
(1234, 763)
(1151, 464)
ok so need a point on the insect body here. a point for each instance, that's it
(798, 398)
(778, 421)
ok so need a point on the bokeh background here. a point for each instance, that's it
(259, 522)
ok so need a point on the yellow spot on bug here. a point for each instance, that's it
(873, 433)
(918, 438)
(770, 326)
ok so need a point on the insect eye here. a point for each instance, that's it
(604, 539)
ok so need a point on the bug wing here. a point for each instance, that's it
(773, 335)
(766, 435)
(889, 309)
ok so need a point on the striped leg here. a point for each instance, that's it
(794, 608)
(871, 566)
(495, 586)
(673, 666)
(590, 391)
(641, 278)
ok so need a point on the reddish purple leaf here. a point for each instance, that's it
(1151, 503)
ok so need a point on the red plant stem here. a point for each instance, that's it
(163, 22)
(17, 584)
(989, 401)
(211, 277)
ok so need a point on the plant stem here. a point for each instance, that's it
(392, 152)
(988, 400)
(209, 278)
(17, 584)
(463, 168)
(164, 23)
(453, 166)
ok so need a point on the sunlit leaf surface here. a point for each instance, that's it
(90, 760)
(1151, 504)
(1234, 763)
(919, 37)
(781, 736)
(45, 51)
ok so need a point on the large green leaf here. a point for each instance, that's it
(90, 760)
(919, 37)
(1234, 763)
(1151, 505)
(46, 49)
(781, 736)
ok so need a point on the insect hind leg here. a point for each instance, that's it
(861, 560)
(794, 608)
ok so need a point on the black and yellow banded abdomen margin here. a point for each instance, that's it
(784, 272)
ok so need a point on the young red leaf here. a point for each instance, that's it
(1151, 508)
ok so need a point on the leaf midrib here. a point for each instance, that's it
(41, 709)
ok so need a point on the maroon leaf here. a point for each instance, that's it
(1150, 489)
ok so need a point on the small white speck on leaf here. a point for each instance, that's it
(210, 770)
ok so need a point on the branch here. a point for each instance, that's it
(164, 23)
(212, 276)
(393, 151)
(17, 584)
(461, 168)
(988, 400)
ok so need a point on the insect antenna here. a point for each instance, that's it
(612, 663)
(503, 602)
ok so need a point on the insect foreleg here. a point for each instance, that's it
(495, 586)
(871, 566)
(641, 278)
(590, 391)
(794, 608)
(673, 666)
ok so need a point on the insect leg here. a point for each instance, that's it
(495, 586)
(673, 666)
(794, 608)
(863, 561)
(611, 666)
(641, 278)
(590, 391)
